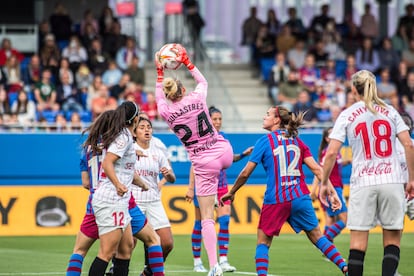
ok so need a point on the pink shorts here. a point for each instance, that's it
(221, 192)
(273, 216)
(207, 174)
(89, 226)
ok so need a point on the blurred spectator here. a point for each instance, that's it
(98, 60)
(102, 102)
(117, 91)
(45, 93)
(93, 91)
(296, 56)
(61, 124)
(88, 36)
(304, 104)
(331, 39)
(407, 20)
(68, 96)
(134, 93)
(7, 51)
(320, 54)
(388, 56)
(367, 57)
(272, 22)
(75, 123)
(400, 39)
(75, 53)
(49, 50)
(250, 29)
(319, 22)
(346, 25)
(24, 108)
(309, 73)
(44, 30)
(408, 55)
(105, 21)
(112, 75)
(352, 41)
(53, 67)
(5, 109)
(369, 25)
(407, 90)
(114, 40)
(136, 73)
(83, 77)
(295, 23)
(3, 78)
(64, 68)
(350, 69)
(195, 24)
(278, 74)
(285, 40)
(386, 89)
(328, 73)
(265, 44)
(32, 73)
(335, 110)
(125, 55)
(400, 75)
(61, 24)
(350, 99)
(396, 103)
(13, 74)
(89, 19)
(150, 107)
(289, 90)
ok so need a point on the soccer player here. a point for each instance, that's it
(223, 211)
(286, 198)
(377, 190)
(209, 153)
(335, 221)
(153, 162)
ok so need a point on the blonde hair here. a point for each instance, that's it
(365, 84)
(172, 88)
(289, 120)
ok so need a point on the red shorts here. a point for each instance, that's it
(273, 216)
(89, 226)
(221, 192)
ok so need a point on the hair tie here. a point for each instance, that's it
(277, 112)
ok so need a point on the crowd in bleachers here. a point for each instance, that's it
(80, 70)
(309, 68)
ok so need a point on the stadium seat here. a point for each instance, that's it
(86, 116)
(266, 65)
(50, 116)
(23, 64)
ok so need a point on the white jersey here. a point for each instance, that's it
(148, 168)
(123, 147)
(372, 139)
(402, 159)
(159, 144)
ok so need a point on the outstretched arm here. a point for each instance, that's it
(159, 94)
(182, 57)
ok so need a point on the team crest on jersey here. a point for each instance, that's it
(120, 143)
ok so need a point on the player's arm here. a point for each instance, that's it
(315, 188)
(240, 156)
(108, 166)
(137, 181)
(240, 181)
(85, 180)
(407, 143)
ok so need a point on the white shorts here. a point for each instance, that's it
(377, 204)
(110, 217)
(155, 213)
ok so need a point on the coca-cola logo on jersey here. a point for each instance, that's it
(379, 169)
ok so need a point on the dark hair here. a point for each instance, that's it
(212, 109)
(97, 130)
(144, 119)
(324, 143)
(408, 121)
(289, 120)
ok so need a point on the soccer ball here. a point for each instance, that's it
(167, 57)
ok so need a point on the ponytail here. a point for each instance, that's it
(365, 84)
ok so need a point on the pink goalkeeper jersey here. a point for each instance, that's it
(372, 139)
(190, 121)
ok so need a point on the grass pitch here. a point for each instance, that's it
(289, 255)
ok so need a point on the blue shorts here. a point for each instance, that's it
(138, 219)
(299, 213)
(344, 209)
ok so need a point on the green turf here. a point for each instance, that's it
(289, 255)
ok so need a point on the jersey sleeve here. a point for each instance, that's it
(160, 98)
(304, 149)
(339, 129)
(83, 165)
(120, 145)
(202, 84)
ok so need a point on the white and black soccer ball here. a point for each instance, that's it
(167, 57)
